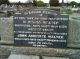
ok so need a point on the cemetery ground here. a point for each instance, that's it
(71, 52)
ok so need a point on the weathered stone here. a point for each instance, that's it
(6, 30)
(73, 40)
(50, 52)
(74, 31)
(4, 53)
(7, 36)
(18, 56)
(0, 29)
(54, 58)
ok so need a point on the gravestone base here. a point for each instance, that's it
(49, 52)
(54, 58)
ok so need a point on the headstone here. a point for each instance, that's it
(41, 28)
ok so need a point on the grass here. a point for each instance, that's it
(68, 11)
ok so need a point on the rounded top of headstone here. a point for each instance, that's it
(43, 11)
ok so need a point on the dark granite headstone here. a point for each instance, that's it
(41, 28)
